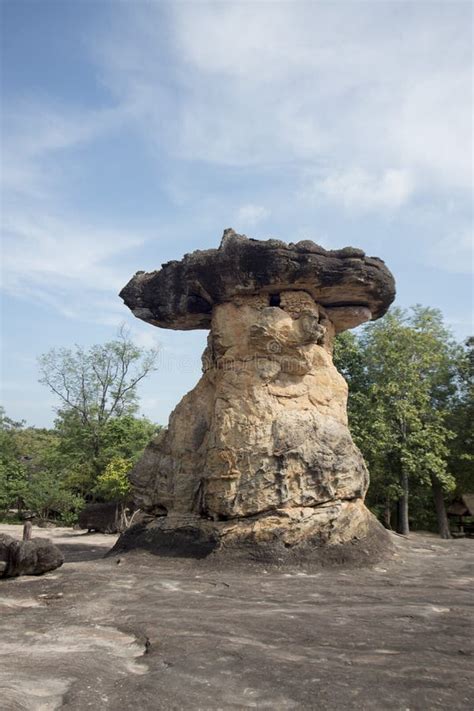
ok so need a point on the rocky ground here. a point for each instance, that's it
(140, 632)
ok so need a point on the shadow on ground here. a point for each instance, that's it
(74, 553)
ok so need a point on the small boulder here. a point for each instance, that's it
(33, 557)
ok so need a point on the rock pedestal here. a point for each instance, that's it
(258, 457)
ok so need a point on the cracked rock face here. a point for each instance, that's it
(259, 452)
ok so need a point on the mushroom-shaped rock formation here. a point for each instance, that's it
(258, 458)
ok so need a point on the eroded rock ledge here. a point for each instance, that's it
(351, 286)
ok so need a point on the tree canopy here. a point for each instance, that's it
(97, 392)
(97, 433)
(404, 381)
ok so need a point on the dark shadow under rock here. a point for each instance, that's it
(194, 543)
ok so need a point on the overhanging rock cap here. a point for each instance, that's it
(352, 287)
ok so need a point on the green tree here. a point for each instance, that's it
(460, 419)
(113, 485)
(127, 437)
(27, 473)
(95, 387)
(51, 472)
(402, 380)
(13, 474)
(124, 436)
(47, 495)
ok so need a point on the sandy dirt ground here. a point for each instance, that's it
(141, 632)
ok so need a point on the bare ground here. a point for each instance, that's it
(142, 632)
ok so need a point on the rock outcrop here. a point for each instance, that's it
(101, 518)
(30, 557)
(258, 456)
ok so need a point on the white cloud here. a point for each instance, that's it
(360, 191)
(42, 249)
(35, 132)
(49, 254)
(146, 336)
(356, 86)
(454, 252)
(250, 215)
(65, 264)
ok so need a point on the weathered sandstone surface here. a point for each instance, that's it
(258, 456)
(133, 632)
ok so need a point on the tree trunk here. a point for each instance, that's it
(96, 447)
(403, 525)
(387, 514)
(443, 525)
(27, 530)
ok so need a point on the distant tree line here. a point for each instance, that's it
(411, 412)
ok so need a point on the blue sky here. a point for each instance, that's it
(133, 132)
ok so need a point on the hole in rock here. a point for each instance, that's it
(275, 300)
